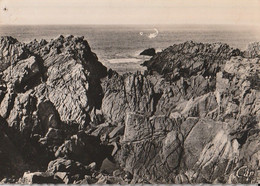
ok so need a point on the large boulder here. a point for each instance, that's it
(39, 178)
(67, 166)
(148, 52)
(84, 148)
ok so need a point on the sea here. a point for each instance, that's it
(119, 46)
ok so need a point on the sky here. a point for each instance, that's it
(240, 12)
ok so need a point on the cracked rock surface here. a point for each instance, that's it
(192, 117)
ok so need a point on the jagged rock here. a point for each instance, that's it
(22, 116)
(82, 91)
(149, 144)
(107, 179)
(80, 71)
(7, 181)
(82, 143)
(87, 180)
(54, 137)
(7, 103)
(45, 85)
(253, 50)
(196, 102)
(223, 151)
(196, 121)
(68, 166)
(39, 178)
(187, 125)
(92, 166)
(62, 176)
(23, 75)
(181, 179)
(195, 142)
(132, 92)
(71, 98)
(11, 51)
(148, 52)
(189, 58)
(116, 131)
(102, 129)
(238, 87)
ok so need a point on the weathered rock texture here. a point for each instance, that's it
(197, 117)
(193, 117)
(253, 50)
(190, 58)
(48, 90)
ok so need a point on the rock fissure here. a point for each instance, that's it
(193, 117)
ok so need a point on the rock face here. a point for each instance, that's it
(48, 90)
(193, 117)
(189, 58)
(201, 112)
(11, 51)
(131, 92)
(148, 52)
(253, 50)
(63, 72)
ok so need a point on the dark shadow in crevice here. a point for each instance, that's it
(156, 98)
(243, 138)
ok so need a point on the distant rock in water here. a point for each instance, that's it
(193, 118)
(148, 52)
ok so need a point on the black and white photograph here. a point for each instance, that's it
(129, 92)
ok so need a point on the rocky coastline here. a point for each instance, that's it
(192, 117)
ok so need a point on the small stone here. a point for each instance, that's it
(61, 175)
(92, 165)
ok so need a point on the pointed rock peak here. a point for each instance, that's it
(8, 39)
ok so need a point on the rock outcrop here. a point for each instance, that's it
(202, 107)
(48, 91)
(11, 51)
(189, 58)
(253, 50)
(192, 117)
(148, 52)
(63, 72)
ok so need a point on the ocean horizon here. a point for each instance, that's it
(118, 45)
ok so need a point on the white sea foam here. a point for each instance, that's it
(125, 60)
(154, 35)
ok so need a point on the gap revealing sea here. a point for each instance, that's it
(119, 46)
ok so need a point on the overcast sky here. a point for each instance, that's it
(130, 12)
